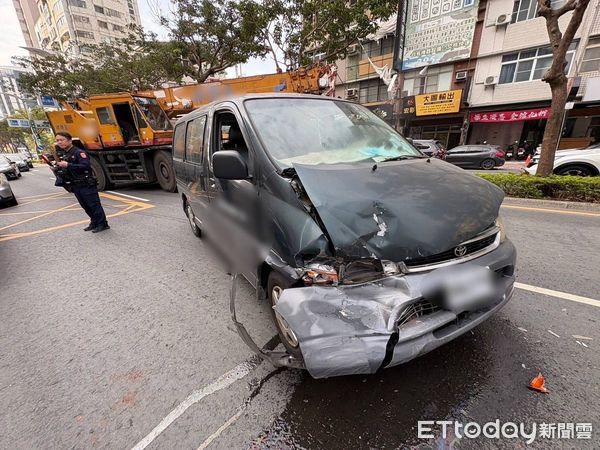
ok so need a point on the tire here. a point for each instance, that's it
(191, 216)
(488, 164)
(275, 285)
(163, 168)
(99, 174)
(576, 169)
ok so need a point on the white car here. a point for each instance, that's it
(583, 162)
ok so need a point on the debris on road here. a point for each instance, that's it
(582, 343)
(553, 333)
(582, 338)
(523, 365)
(539, 383)
(522, 329)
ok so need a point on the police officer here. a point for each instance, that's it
(76, 168)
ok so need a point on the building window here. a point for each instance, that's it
(61, 22)
(57, 8)
(118, 28)
(371, 50)
(78, 3)
(81, 19)
(591, 57)
(111, 12)
(373, 91)
(103, 24)
(84, 34)
(530, 65)
(435, 79)
(65, 37)
(527, 9)
(99, 9)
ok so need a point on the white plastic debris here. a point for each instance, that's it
(582, 338)
(522, 329)
(553, 333)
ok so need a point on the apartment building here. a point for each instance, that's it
(508, 100)
(71, 26)
(12, 99)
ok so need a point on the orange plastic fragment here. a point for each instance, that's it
(539, 383)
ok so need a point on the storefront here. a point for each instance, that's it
(507, 126)
(436, 115)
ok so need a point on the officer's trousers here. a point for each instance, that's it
(88, 198)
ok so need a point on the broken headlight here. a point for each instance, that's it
(500, 224)
(320, 274)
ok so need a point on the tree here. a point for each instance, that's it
(297, 29)
(213, 36)
(555, 76)
(136, 62)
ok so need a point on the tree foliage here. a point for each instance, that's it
(136, 62)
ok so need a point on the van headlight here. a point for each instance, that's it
(500, 224)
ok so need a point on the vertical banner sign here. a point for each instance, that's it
(438, 31)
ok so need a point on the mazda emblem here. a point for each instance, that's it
(461, 250)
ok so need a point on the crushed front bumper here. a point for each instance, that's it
(347, 330)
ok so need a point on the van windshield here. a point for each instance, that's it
(317, 131)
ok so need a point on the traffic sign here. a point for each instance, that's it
(18, 123)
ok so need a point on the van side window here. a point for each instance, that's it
(179, 141)
(194, 140)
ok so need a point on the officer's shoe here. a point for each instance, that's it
(90, 227)
(100, 228)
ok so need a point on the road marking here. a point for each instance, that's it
(35, 212)
(225, 380)
(37, 217)
(38, 195)
(220, 430)
(129, 196)
(558, 294)
(555, 211)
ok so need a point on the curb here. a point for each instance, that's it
(556, 204)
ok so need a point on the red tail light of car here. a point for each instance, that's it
(500, 154)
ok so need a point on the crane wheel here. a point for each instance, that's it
(163, 168)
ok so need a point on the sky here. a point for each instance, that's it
(11, 37)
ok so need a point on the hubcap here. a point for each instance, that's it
(287, 332)
(488, 164)
(164, 171)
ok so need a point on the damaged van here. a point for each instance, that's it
(370, 253)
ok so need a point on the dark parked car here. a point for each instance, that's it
(7, 197)
(476, 156)
(9, 168)
(370, 253)
(429, 147)
(18, 160)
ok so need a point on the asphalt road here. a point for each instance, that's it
(123, 339)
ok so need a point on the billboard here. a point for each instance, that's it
(438, 31)
(438, 103)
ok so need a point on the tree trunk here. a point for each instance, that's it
(553, 129)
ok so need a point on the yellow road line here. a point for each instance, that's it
(558, 294)
(555, 211)
(39, 195)
(53, 197)
(33, 212)
(10, 237)
(37, 217)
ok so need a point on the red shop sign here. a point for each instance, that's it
(511, 116)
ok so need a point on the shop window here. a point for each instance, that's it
(530, 65)
(527, 9)
(591, 58)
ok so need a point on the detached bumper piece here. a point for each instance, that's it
(348, 330)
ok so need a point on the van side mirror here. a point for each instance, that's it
(229, 165)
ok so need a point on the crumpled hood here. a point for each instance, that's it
(402, 209)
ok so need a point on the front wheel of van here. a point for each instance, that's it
(192, 219)
(276, 285)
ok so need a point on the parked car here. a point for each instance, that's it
(345, 228)
(27, 157)
(429, 147)
(18, 160)
(582, 162)
(482, 156)
(9, 168)
(7, 197)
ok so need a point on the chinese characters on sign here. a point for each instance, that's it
(438, 103)
(408, 106)
(511, 116)
(438, 31)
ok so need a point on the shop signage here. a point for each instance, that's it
(438, 31)
(438, 103)
(408, 106)
(511, 116)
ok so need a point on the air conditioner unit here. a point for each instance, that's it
(490, 81)
(353, 49)
(351, 93)
(462, 75)
(503, 19)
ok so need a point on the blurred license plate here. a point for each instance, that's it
(468, 289)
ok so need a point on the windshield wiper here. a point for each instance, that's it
(402, 157)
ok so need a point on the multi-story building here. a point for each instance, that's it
(72, 25)
(509, 102)
(12, 99)
(28, 14)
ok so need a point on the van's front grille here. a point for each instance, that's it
(472, 246)
(416, 310)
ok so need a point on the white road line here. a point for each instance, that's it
(128, 196)
(558, 294)
(225, 380)
(222, 428)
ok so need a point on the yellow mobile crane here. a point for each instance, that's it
(129, 135)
